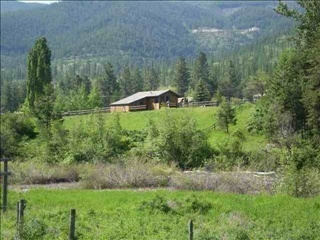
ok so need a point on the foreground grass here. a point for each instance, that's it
(205, 118)
(121, 215)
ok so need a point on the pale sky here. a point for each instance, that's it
(43, 2)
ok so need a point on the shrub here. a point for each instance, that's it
(222, 182)
(132, 173)
(157, 204)
(300, 170)
(176, 139)
(15, 128)
(95, 141)
(230, 153)
(42, 173)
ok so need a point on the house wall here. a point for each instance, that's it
(124, 108)
(152, 104)
(139, 102)
(173, 99)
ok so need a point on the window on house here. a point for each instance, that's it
(167, 98)
(156, 100)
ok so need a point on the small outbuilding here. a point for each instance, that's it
(149, 100)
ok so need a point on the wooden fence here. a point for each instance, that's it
(138, 108)
(87, 111)
(200, 104)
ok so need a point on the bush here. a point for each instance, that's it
(300, 170)
(230, 153)
(42, 173)
(132, 173)
(176, 139)
(189, 205)
(233, 182)
(15, 128)
(95, 141)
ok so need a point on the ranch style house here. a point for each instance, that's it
(149, 100)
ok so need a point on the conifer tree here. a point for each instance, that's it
(226, 115)
(125, 82)
(151, 80)
(137, 81)
(200, 70)
(230, 84)
(201, 92)
(39, 71)
(108, 84)
(181, 76)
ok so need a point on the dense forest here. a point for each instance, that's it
(137, 31)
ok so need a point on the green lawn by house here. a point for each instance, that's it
(205, 117)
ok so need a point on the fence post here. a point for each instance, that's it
(5, 186)
(190, 226)
(5, 175)
(72, 224)
(21, 205)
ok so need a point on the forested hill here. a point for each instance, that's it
(137, 30)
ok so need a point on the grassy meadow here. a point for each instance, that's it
(162, 214)
(204, 116)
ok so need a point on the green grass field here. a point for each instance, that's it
(116, 214)
(205, 117)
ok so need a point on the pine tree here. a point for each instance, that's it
(225, 115)
(137, 81)
(308, 49)
(125, 82)
(201, 92)
(108, 84)
(181, 76)
(230, 84)
(151, 80)
(200, 70)
(39, 71)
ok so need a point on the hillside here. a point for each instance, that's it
(137, 30)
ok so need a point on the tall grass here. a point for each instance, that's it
(125, 214)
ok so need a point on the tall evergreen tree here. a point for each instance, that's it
(200, 70)
(201, 92)
(230, 84)
(226, 115)
(151, 80)
(108, 84)
(39, 71)
(181, 76)
(308, 48)
(125, 82)
(137, 81)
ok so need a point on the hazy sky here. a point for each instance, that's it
(44, 2)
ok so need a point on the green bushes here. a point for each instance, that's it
(175, 138)
(15, 128)
(300, 172)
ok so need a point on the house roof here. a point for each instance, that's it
(140, 95)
